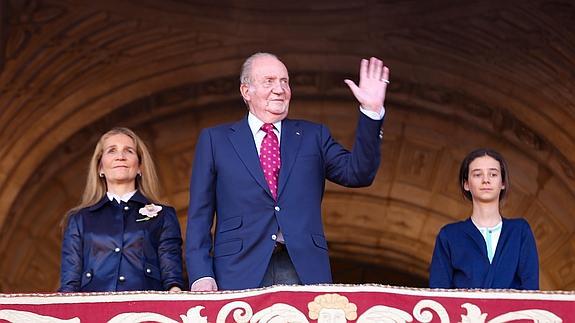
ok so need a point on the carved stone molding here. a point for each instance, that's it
(475, 73)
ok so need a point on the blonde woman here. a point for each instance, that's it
(120, 238)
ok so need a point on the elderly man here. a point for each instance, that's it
(264, 177)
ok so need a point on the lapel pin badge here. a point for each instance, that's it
(297, 133)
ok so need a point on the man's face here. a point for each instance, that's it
(268, 93)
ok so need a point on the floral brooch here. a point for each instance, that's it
(149, 211)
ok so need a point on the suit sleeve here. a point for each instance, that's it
(440, 270)
(170, 251)
(358, 167)
(72, 259)
(528, 270)
(201, 211)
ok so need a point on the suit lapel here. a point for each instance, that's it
(291, 137)
(242, 140)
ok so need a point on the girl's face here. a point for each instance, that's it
(484, 180)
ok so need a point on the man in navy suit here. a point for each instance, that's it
(268, 206)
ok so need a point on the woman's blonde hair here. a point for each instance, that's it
(146, 180)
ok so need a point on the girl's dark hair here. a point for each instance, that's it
(464, 170)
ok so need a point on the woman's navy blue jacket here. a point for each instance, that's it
(460, 258)
(105, 248)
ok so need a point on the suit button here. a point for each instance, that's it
(88, 275)
(148, 270)
(122, 278)
(274, 237)
(117, 249)
(126, 208)
(277, 208)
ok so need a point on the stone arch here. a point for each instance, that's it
(71, 71)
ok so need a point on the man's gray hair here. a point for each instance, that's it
(246, 73)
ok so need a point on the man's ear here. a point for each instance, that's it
(245, 91)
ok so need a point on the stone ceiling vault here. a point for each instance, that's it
(464, 74)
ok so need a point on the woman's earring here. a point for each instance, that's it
(101, 175)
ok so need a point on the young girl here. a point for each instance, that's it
(486, 250)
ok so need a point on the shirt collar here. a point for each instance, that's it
(137, 197)
(493, 228)
(256, 124)
(124, 198)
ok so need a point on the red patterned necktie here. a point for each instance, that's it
(270, 158)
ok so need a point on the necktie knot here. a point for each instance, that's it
(268, 127)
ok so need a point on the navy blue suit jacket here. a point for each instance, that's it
(104, 242)
(460, 258)
(227, 180)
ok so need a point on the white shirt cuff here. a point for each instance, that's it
(372, 114)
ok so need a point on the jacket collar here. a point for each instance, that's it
(103, 201)
(138, 197)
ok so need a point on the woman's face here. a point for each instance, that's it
(484, 179)
(119, 162)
